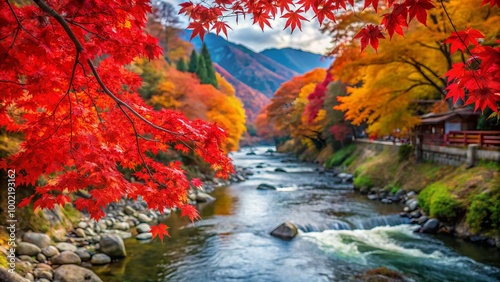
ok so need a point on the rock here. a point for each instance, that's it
(204, 197)
(39, 239)
(259, 166)
(128, 210)
(431, 226)
(382, 274)
(372, 197)
(89, 232)
(29, 249)
(415, 214)
(50, 251)
(144, 236)
(412, 204)
(251, 154)
(100, 259)
(144, 218)
(44, 273)
(41, 258)
(23, 267)
(73, 273)
(65, 247)
(83, 254)
(400, 193)
(66, 257)
(143, 228)
(386, 201)
(279, 169)
(112, 245)
(411, 194)
(83, 224)
(403, 214)
(123, 226)
(478, 239)
(285, 231)
(5, 275)
(422, 219)
(79, 233)
(264, 186)
(26, 258)
(30, 277)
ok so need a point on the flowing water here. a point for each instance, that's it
(341, 236)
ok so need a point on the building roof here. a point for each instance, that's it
(433, 118)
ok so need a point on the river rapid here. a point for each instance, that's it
(342, 235)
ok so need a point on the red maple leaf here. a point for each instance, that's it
(159, 230)
(369, 34)
(419, 9)
(294, 19)
(394, 22)
(462, 39)
(492, 2)
(189, 211)
(199, 28)
(221, 26)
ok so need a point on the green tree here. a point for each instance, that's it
(201, 71)
(181, 65)
(211, 78)
(193, 62)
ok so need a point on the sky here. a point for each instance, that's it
(309, 39)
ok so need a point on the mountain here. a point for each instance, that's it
(298, 60)
(252, 99)
(253, 69)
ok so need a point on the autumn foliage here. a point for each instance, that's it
(67, 87)
(391, 17)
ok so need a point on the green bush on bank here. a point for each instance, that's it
(437, 201)
(405, 151)
(484, 213)
(341, 156)
(361, 181)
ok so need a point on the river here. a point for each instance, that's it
(341, 236)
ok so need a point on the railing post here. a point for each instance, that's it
(465, 139)
(471, 155)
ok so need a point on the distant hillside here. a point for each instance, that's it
(298, 60)
(253, 100)
(253, 69)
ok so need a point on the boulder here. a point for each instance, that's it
(44, 273)
(74, 273)
(66, 257)
(144, 218)
(285, 231)
(143, 228)
(265, 186)
(415, 214)
(204, 197)
(279, 169)
(123, 226)
(431, 226)
(423, 219)
(39, 239)
(100, 259)
(412, 204)
(112, 245)
(50, 251)
(83, 254)
(372, 197)
(65, 247)
(386, 201)
(29, 249)
(128, 210)
(5, 275)
(144, 236)
(251, 154)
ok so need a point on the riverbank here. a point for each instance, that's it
(465, 201)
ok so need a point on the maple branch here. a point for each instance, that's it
(17, 19)
(62, 22)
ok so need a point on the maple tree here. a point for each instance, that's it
(66, 86)
(474, 80)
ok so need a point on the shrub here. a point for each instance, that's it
(437, 201)
(363, 181)
(340, 156)
(479, 212)
(405, 151)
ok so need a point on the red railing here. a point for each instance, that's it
(464, 138)
(432, 139)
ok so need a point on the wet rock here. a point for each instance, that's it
(431, 226)
(403, 214)
(128, 210)
(83, 254)
(5, 275)
(478, 239)
(39, 239)
(386, 201)
(100, 259)
(50, 251)
(372, 197)
(411, 194)
(423, 219)
(204, 197)
(74, 273)
(29, 249)
(285, 231)
(66, 257)
(400, 193)
(143, 228)
(279, 169)
(412, 205)
(251, 154)
(65, 247)
(382, 274)
(264, 186)
(112, 245)
(415, 214)
(144, 236)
